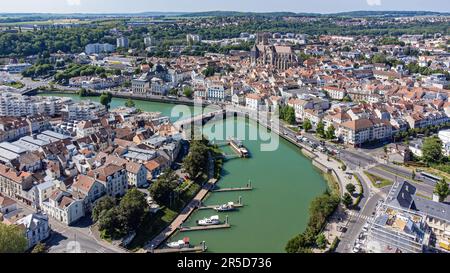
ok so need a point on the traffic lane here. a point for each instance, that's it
(356, 224)
(423, 187)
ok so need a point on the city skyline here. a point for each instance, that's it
(320, 6)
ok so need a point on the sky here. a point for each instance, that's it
(125, 6)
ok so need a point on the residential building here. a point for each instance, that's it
(35, 227)
(63, 207)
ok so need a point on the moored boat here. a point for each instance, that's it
(225, 207)
(180, 244)
(213, 220)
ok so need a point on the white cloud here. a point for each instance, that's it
(73, 2)
(374, 2)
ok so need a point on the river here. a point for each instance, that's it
(285, 182)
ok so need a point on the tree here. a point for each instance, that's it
(133, 207)
(347, 200)
(307, 125)
(350, 188)
(320, 130)
(39, 248)
(187, 91)
(111, 223)
(103, 204)
(130, 103)
(321, 241)
(105, 99)
(442, 190)
(330, 133)
(12, 239)
(83, 92)
(432, 150)
(196, 162)
(164, 186)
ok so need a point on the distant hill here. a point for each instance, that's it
(366, 13)
(239, 13)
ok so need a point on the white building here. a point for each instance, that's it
(62, 207)
(193, 38)
(99, 48)
(253, 101)
(141, 84)
(122, 42)
(215, 91)
(158, 87)
(113, 177)
(35, 227)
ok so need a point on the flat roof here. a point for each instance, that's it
(55, 135)
(38, 142)
(8, 155)
(13, 148)
(26, 145)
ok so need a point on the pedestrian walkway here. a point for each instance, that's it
(355, 215)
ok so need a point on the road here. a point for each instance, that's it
(73, 239)
(356, 221)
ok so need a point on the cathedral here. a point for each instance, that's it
(262, 53)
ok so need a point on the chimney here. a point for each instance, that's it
(96, 175)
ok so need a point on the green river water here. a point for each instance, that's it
(284, 181)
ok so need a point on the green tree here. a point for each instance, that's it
(350, 188)
(347, 200)
(331, 132)
(39, 248)
(164, 186)
(12, 239)
(321, 241)
(187, 91)
(442, 190)
(307, 125)
(130, 103)
(105, 99)
(101, 205)
(432, 150)
(133, 207)
(82, 92)
(320, 130)
(111, 223)
(196, 162)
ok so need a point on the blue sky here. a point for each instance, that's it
(322, 6)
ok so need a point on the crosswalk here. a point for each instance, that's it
(356, 215)
(101, 250)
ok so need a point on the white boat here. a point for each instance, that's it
(225, 207)
(179, 244)
(213, 220)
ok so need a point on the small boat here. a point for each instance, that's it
(225, 207)
(180, 244)
(213, 220)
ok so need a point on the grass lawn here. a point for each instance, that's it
(17, 85)
(381, 181)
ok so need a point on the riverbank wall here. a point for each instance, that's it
(125, 96)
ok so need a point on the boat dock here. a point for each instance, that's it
(195, 249)
(233, 189)
(248, 187)
(182, 217)
(199, 228)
